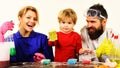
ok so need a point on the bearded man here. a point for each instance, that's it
(95, 31)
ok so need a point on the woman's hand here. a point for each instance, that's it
(38, 57)
(9, 25)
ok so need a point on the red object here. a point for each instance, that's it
(67, 46)
(112, 35)
(38, 57)
(86, 61)
(116, 37)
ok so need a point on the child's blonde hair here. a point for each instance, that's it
(67, 13)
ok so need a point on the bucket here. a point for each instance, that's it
(4, 54)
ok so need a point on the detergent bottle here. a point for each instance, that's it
(11, 43)
(12, 46)
(116, 50)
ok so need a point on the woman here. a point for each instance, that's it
(27, 41)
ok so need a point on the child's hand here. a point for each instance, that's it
(38, 57)
(52, 35)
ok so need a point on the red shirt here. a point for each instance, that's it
(67, 46)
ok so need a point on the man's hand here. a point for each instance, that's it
(38, 57)
(85, 51)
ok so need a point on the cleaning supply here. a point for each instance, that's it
(86, 61)
(12, 49)
(9, 25)
(45, 61)
(104, 48)
(52, 35)
(10, 40)
(116, 51)
(72, 61)
(116, 42)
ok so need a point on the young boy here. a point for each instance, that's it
(67, 42)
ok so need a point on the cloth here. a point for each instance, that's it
(67, 46)
(9, 25)
(94, 44)
(26, 47)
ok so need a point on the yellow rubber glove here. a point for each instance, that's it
(108, 47)
(52, 35)
(105, 48)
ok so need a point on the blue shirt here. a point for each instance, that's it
(26, 47)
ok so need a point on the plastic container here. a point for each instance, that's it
(12, 45)
(115, 52)
(4, 54)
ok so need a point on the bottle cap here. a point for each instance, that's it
(116, 37)
(11, 20)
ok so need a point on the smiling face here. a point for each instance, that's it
(28, 21)
(28, 17)
(95, 27)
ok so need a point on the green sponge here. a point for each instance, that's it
(45, 61)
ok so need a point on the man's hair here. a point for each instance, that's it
(101, 9)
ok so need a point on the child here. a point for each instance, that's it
(68, 42)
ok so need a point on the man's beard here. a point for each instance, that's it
(97, 32)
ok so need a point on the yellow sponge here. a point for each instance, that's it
(52, 35)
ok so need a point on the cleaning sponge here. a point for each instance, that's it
(45, 61)
(52, 35)
(72, 61)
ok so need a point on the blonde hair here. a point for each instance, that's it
(25, 9)
(67, 13)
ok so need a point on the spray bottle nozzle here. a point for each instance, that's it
(11, 21)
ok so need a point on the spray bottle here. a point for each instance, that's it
(10, 40)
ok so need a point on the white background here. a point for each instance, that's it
(48, 11)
